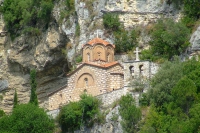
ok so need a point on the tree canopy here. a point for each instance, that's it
(26, 15)
(174, 99)
(75, 115)
(168, 38)
(27, 118)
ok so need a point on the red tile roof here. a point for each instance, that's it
(94, 64)
(103, 65)
(99, 40)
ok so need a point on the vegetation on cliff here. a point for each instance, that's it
(130, 114)
(27, 15)
(124, 40)
(27, 118)
(168, 38)
(174, 99)
(83, 113)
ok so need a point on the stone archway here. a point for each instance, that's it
(85, 80)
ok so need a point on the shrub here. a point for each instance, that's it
(78, 114)
(27, 118)
(130, 114)
(125, 41)
(111, 21)
(2, 113)
(168, 38)
(78, 59)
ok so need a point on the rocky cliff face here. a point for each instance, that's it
(45, 53)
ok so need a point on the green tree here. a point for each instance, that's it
(184, 94)
(20, 15)
(15, 102)
(27, 118)
(130, 114)
(70, 117)
(77, 114)
(125, 40)
(163, 82)
(168, 38)
(33, 98)
(194, 115)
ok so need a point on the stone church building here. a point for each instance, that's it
(98, 73)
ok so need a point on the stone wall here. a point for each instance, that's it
(110, 97)
(136, 69)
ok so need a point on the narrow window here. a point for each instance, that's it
(88, 57)
(99, 55)
(108, 57)
(131, 68)
(141, 69)
(86, 82)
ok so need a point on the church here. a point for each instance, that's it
(98, 73)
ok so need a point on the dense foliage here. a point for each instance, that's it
(27, 15)
(191, 8)
(33, 98)
(2, 113)
(124, 40)
(27, 118)
(174, 99)
(168, 38)
(79, 114)
(130, 114)
(111, 21)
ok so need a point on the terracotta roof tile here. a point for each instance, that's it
(94, 64)
(103, 65)
(99, 40)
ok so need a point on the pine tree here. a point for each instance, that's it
(15, 102)
(33, 98)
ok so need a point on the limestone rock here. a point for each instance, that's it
(195, 39)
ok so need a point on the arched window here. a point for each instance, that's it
(141, 69)
(131, 68)
(86, 82)
(108, 57)
(88, 57)
(99, 55)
